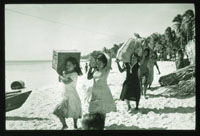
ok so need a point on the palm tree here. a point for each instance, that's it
(188, 24)
(169, 34)
(153, 39)
(184, 27)
(178, 21)
(137, 35)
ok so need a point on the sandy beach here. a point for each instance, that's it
(156, 112)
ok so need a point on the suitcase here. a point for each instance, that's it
(60, 57)
(128, 48)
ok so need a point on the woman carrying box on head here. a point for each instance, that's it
(70, 105)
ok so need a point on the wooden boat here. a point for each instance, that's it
(16, 99)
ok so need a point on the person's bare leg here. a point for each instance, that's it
(62, 120)
(150, 86)
(75, 123)
(137, 104)
(128, 104)
(141, 86)
(145, 90)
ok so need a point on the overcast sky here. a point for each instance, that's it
(32, 31)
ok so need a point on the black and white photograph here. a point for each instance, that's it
(104, 67)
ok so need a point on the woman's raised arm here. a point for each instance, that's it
(109, 63)
(90, 74)
(119, 67)
(65, 80)
(157, 66)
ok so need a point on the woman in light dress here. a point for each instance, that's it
(152, 61)
(70, 105)
(101, 100)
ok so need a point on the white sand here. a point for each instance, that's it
(155, 113)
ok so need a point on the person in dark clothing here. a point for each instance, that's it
(95, 121)
(179, 62)
(131, 87)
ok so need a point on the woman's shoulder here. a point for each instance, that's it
(73, 74)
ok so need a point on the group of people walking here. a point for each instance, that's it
(139, 75)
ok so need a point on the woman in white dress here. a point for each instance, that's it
(70, 105)
(101, 98)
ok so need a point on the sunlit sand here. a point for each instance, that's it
(156, 112)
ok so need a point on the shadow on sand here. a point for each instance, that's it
(154, 88)
(164, 95)
(167, 94)
(165, 110)
(25, 118)
(123, 127)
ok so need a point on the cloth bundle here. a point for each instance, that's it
(128, 48)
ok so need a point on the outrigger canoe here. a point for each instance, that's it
(16, 99)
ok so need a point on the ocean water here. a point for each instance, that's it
(40, 74)
(35, 74)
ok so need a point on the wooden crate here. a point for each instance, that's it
(60, 56)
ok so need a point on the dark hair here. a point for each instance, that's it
(155, 53)
(102, 57)
(75, 62)
(180, 52)
(95, 121)
(148, 52)
(136, 55)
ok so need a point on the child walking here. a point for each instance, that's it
(70, 106)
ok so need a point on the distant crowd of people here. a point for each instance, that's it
(139, 77)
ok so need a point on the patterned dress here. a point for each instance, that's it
(101, 99)
(70, 105)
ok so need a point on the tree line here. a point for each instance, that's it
(173, 39)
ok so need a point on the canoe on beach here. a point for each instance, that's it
(16, 99)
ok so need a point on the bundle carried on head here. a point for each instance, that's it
(132, 46)
(93, 58)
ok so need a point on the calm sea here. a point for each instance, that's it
(35, 74)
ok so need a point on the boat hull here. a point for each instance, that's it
(16, 101)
